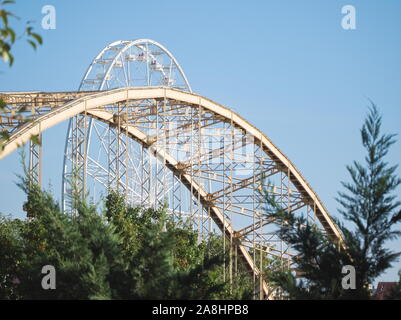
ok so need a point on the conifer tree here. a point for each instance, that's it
(371, 211)
(370, 204)
(125, 253)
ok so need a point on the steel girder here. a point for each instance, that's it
(212, 158)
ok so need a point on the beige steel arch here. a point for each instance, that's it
(91, 105)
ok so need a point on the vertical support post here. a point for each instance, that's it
(35, 161)
(199, 153)
(223, 156)
(254, 208)
(78, 157)
(260, 173)
(118, 151)
(230, 198)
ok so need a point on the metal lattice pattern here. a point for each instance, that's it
(202, 159)
(91, 148)
(159, 144)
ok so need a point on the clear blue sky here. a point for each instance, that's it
(286, 66)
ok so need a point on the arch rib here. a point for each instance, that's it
(93, 102)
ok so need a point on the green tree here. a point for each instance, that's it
(165, 259)
(319, 261)
(10, 253)
(84, 250)
(369, 204)
(127, 253)
(8, 34)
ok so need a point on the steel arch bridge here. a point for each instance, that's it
(135, 126)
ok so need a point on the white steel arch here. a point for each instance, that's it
(101, 75)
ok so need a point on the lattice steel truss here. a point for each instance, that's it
(127, 63)
(202, 159)
(135, 127)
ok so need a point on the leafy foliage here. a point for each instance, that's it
(369, 204)
(125, 253)
(319, 261)
(165, 258)
(7, 39)
(8, 34)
